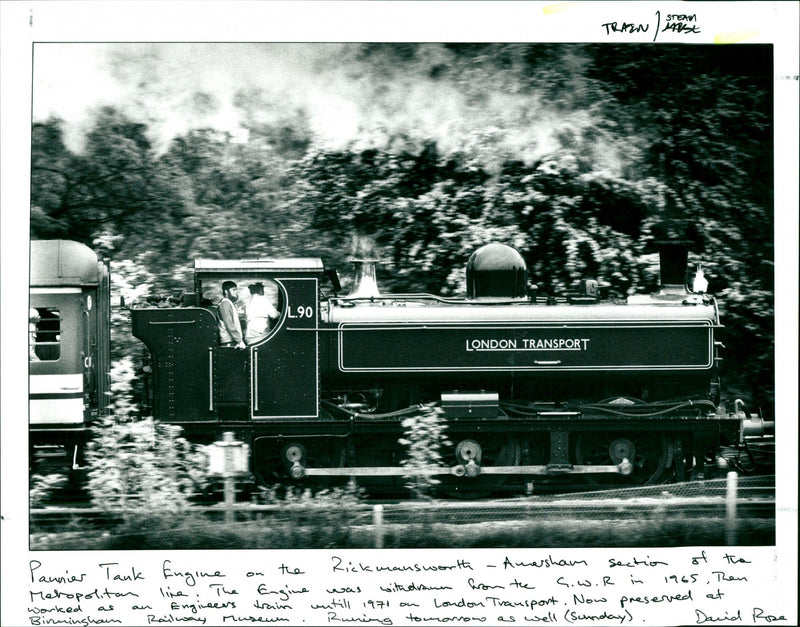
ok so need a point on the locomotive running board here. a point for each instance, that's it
(623, 468)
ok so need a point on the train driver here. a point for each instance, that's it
(230, 327)
(259, 311)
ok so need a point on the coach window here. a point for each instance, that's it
(45, 334)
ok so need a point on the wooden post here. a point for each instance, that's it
(377, 521)
(229, 482)
(730, 508)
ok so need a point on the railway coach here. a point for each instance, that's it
(69, 319)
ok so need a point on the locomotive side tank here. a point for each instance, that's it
(531, 388)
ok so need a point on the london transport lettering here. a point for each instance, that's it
(527, 344)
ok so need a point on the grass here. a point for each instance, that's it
(344, 528)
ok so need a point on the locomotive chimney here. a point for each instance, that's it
(364, 260)
(365, 282)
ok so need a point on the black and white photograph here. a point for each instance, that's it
(492, 326)
(401, 271)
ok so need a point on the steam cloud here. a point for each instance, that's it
(230, 87)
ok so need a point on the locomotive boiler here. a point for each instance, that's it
(531, 389)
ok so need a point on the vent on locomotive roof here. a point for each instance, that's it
(496, 271)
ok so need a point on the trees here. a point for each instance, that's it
(112, 184)
(709, 119)
(233, 195)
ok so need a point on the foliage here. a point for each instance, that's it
(320, 518)
(115, 184)
(43, 486)
(347, 496)
(424, 437)
(326, 518)
(142, 466)
(316, 529)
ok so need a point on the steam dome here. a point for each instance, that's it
(496, 271)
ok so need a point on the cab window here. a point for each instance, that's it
(257, 322)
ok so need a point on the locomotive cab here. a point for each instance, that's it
(197, 380)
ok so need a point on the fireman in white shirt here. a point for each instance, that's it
(259, 311)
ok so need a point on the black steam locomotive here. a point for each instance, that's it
(531, 389)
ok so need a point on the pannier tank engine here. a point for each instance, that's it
(530, 388)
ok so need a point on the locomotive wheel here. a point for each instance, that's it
(649, 452)
(270, 467)
(495, 451)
